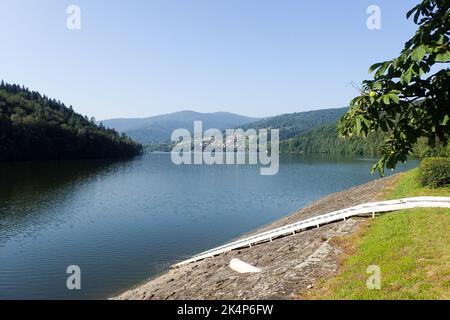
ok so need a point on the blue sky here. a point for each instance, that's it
(253, 57)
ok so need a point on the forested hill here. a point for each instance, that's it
(324, 139)
(34, 127)
(294, 124)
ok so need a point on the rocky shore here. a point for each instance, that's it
(290, 265)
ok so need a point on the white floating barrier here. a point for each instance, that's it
(243, 267)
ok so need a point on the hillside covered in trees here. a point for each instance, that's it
(324, 139)
(294, 124)
(34, 127)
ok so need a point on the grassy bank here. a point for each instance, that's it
(411, 247)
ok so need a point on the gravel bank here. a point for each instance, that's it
(290, 265)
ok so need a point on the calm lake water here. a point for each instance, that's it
(123, 222)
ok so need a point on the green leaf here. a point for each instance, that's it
(407, 76)
(390, 123)
(366, 122)
(382, 69)
(386, 99)
(374, 167)
(442, 39)
(446, 118)
(410, 12)
(376, 86)
(374, 67)
(358, 126)
(379, 166)
(443, 57)
(394, 97)
(418, 53)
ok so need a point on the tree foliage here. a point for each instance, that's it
(408, 97)
(435, 172)
(324, 139)
(34, 127)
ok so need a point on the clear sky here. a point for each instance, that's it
(145, 57)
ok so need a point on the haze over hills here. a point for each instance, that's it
(158, 129)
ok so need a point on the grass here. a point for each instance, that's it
(408, 186)
(411, 247)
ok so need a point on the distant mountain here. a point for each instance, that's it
(34, 127)
(158, 129)
(294, 124)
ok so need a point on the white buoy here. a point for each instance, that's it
(243, 267)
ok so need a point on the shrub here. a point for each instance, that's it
(435, 172)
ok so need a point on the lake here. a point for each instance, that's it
(123, 222)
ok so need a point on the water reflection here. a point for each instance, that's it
(29, 189)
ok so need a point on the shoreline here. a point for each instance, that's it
(290, 265)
